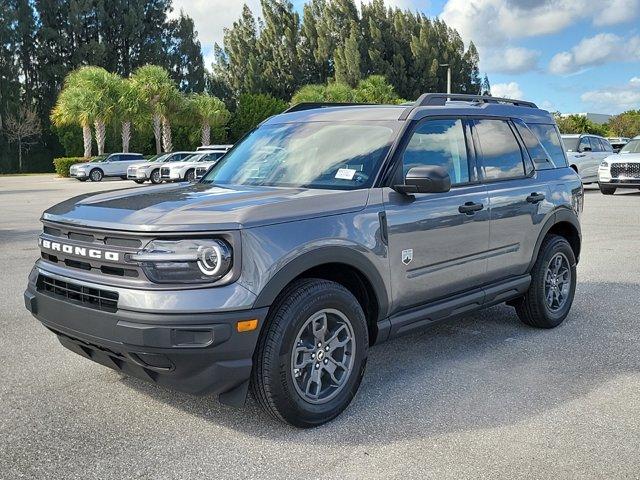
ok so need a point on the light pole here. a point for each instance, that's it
(448, 76)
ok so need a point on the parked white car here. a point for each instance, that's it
(621, 170)
(141, 172)
(585, 154)
(115, 165)
(186, 169)
(618, 142)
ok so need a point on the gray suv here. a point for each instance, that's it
(328, 229)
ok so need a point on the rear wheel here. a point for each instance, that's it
(155, 177)
(607, 190)
(190, 176)
(553, 283)
(311, 356)
(139, 181)
(96, 175)
(82, 179)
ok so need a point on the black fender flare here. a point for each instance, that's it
(321, 256)
(558, 216)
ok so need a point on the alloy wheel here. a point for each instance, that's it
(557, 282)
(323, 356)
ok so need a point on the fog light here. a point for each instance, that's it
(247, 325)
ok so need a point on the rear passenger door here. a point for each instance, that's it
(518, 197)
(435, 249)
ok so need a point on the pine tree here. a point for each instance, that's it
(486, 86)
(347, 59)
(184, 54)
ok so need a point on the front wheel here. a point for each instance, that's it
(96, 175)
(607, 190)
(82, 179)
(553, 284)
(155, 177)
(190, 176)
(139, 182)
(312, 353)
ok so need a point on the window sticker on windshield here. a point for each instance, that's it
(345, 174)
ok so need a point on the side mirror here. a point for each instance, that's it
(585, 149)
(428, 179)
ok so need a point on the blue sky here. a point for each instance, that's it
(567, 55)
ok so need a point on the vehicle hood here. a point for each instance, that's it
(624, 158)
(199, 207)
(84, 165)
(175, 164)
(143, 165)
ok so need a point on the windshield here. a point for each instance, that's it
(632, 147)
(340, 156)
(570, 143)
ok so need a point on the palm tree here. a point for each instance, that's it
(210, 112)
(129, 109)
(160, 94)
(89, 96)
(103, 91)
(72, 108)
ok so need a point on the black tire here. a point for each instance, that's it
(190, 176)
(607, 190)
(96, 175)
(139, 182)
(82, 179)
(155, 177)
(533, 308)
(272, 378)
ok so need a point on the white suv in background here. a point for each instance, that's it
(141, 172)
(585, 153)
(205, 148)
(621, 170)
(186, 169)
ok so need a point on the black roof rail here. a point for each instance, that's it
(440, 99)
(299, 107)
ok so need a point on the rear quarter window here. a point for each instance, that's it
(549, 137)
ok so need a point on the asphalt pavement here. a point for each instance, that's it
(483, 397)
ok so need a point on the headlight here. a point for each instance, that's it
(185, 261)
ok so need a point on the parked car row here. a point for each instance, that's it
(594, 158)
(173, 167)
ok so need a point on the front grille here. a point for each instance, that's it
(631, 170)
(164, 172)
(124, 245)
(95, 298)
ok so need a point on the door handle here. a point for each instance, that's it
(535, 197)
(470, 208)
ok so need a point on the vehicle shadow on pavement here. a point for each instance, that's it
(481, 371)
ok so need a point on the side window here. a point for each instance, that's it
(550, 139)
(440, 143)
(584, 143)
(596, 144)
(532, 144)
(501, 153)
(115, 158)
(607, 145)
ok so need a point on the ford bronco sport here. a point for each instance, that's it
(328, 229)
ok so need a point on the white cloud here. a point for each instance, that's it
(513, 60)
(493, 25)
(506, 90)
(492, 22)
(615, 99)
(597, 50)
(618, 11)
(211, 17)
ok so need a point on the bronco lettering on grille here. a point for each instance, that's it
(79, 251)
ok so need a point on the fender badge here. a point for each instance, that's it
(407, 256)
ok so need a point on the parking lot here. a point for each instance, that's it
(483, 397)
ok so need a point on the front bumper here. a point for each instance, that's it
(197, 353)
(137, 175)
(78, 174)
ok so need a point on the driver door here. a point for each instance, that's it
(437, 245)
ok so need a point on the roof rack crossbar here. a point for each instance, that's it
(439, 99)
(299, 107)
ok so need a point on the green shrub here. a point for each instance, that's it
(253, 109)
(63, 164)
